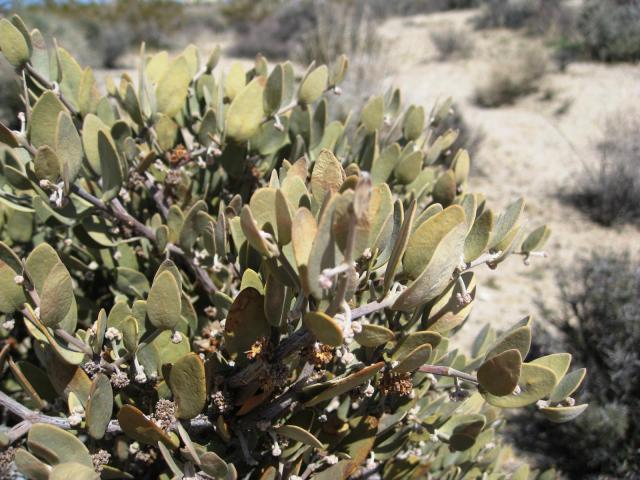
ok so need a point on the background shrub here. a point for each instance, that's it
(609, 190)
(516, 75)
(610, 29)
(452, 43)
(600, 327)
(536, 16)
(100, 34)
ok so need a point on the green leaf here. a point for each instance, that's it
(408, 167)
(535, 383)
(163, 303)
(188, 384)
(373, 335)
(342, 385)
(30, 466)
(448, 312)
(324, 327)
(437, 274)
(327, 175)
(213, 465)
(536, 239)
(68, 148)
(415, 359)
(244, 115)
(71, 73)
(245, 322)
(567, 385)
(109, 166)
(132, 282)
(372, 115)
(57, 296)
(499, 375)
(138, 427)
(427, 237)
(130, 333)
(558, 362)
(400, 245)
(9, 257)
(90, 128)
(173, 87)
(518, 338)
(235, 80)
(413, 123)
(88, 95)
(314, 85)
(47, 165)
(99, 406)
(167, 131)
(14, 45)
(415, 340)
(477, 240)
(445, 189)
(385, 163)
(12, 296)
(55, 445)
(300, 435)
(44, 120)
(506, 224)
(274, 91)
(65, 471)
(563, 414)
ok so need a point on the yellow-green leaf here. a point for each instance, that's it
(246, 112)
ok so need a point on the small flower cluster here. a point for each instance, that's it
(165, 414)
(319, 355)
(396, 383)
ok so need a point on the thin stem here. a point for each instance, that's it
(48, 85)
(76, 342)
(486, 258)
(442, 371)
(116, 210)
(31, 417)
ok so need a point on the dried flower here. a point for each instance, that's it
(119, 380)
(396, 383)
(260, 349)
(221, 402)
(165, 413)
(179, 155)
(100, 459)
(319, 355)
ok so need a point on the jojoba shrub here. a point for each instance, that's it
(203, 277)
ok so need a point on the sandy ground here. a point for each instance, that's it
(530, 149)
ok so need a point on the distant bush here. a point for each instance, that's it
(415, 7)
(600, 327)
(451, 43)
(534, 15)
(276, 35)
(609, 191)
(513, 77)
(321, 31)
(100, 34)
(610, 29)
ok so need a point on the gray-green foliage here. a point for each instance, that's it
(285, 286)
